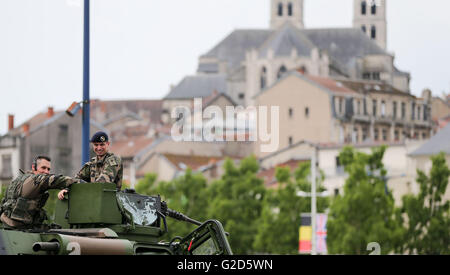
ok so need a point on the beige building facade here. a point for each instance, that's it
(338, 111)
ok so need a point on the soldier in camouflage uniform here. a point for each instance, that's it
(105, 167)
(22, 206)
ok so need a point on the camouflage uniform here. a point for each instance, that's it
(22, 206)
(107, 169)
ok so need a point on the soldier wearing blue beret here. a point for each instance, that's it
(104, 167)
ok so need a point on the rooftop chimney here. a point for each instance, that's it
(10, 122)
(50, 112)
(26, 129)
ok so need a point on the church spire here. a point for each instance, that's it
(283, 11)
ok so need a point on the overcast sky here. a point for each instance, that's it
(140, 47)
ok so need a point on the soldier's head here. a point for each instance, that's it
(41, 165)
(100, 143)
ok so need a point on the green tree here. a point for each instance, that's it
(280, 220)
(186, 194)
(366, 212)
(236, 200)
(427, 215)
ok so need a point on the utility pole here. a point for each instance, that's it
(86, 81)
(313, 201)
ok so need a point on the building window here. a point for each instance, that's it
(424, 135)
(366, 76)
(63, 134)
(358, 107)
(376, 134)
(290, 141)
(356, 134)
(384, 131)
(336, 192)
(374, 8)
(307, 112)
(413, 110)
(373, 32)
(291, 112)
(396, 135)
(383, 108)
(394, 113)
(263, 77)
(425, 113)
(290, 9)
(6, 167)
(280, 9)
(341, 105)
(281, 72)
(363, 28)
(376, 76)
(419, 111)
(363, 7)
(365, 106)
(364, 134)
(339, 167)
(403, 110)
(304, 70)
(374, 107)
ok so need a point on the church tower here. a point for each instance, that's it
(286, 11)
(370, 17)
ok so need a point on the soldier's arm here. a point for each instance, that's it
(46, 182)
(84, 173)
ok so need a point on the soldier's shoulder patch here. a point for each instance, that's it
(112, 161)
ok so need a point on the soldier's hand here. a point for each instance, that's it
(61, 194)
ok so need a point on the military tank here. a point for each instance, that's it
(95, 219)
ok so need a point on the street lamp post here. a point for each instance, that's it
(86, 80)
(313, 202)
(313, 196)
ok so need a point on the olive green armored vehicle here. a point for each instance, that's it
(98, 220)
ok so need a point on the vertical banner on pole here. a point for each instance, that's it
(321, 233)
(305, 234)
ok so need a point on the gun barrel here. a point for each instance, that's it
(181, 217)
(46, 246)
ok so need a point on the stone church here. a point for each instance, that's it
(248, 61)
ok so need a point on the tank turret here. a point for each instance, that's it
(97, 219)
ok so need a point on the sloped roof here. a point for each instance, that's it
(284, 40)
(130, 147)
(34, 122)
(371, 86)
(134, 106)
(233, 48)
(332, 85)
(121, 116)
(268, 175)
(198, 86)
(438, 143)
(327, 84)
(344, 44)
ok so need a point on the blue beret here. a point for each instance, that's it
(99, 137)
